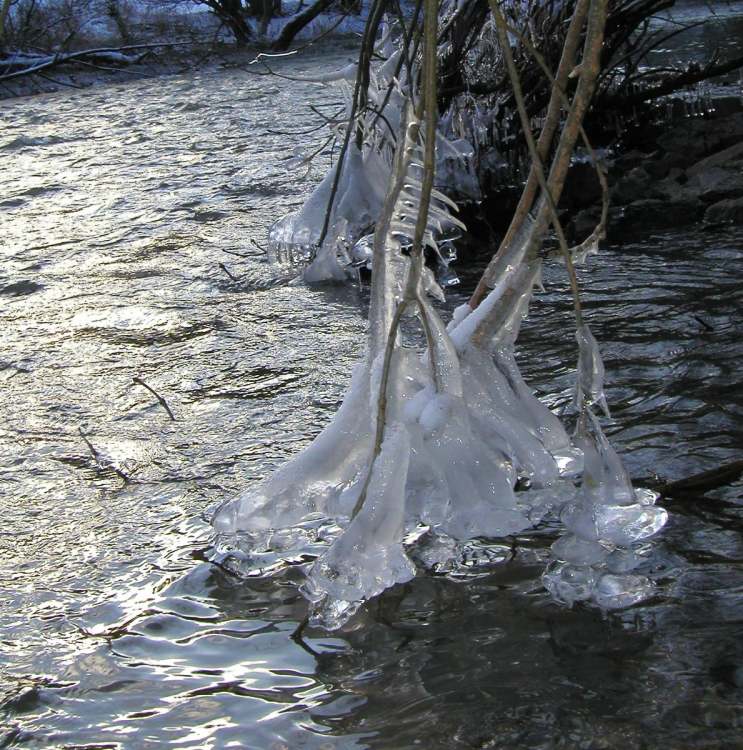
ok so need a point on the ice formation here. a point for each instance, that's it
(434, 454)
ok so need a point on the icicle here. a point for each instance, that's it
(608, 515)
(589, 390)
(369, 557)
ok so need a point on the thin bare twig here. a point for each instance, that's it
(102, 465)
(227, 271)
(160, 399)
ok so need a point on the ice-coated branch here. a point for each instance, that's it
(428, 449)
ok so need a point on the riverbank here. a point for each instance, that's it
(686, 170)
(157, 60)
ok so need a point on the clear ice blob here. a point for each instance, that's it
(620, 591)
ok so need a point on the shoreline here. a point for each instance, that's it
(168, 59)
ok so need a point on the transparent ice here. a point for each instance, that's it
(419, 468)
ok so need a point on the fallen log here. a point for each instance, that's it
(22, 64)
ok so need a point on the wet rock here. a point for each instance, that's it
(585, 222)
(697, 138)
(659, 168)
(728, 158)
(582, 187)
(629, 161)
(714, 184)
(728, 211)
(726, 105)
(632, 186)
(21, 288)
(674, 189)
(656, 213)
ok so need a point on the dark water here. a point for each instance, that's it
(118, 204)
(700, 31)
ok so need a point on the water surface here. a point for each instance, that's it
(118, 206)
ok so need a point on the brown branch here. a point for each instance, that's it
(552, 118)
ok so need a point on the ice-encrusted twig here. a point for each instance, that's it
(589, 382)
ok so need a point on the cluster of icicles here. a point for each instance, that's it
(460, 431)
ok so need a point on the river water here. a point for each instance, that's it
(118, 205)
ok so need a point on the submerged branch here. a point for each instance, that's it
(160, 399)
(705, 481)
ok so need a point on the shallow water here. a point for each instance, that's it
(118, 205)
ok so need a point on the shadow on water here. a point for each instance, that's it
(116, 632)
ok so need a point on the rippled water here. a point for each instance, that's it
(118, 205)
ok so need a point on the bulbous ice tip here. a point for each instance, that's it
(621, 591)
(569, 583)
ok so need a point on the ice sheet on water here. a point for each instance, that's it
(369, 556)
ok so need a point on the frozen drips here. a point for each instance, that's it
(369, 556)
(607, 527)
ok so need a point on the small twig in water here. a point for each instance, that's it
(297, 636)
(239, 255)
(102, 465)
(703, 323)
(226, 270)
(160, 399)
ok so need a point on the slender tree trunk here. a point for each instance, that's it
(4, 10)
(299, 22)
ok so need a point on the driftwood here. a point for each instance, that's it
(22, 65)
